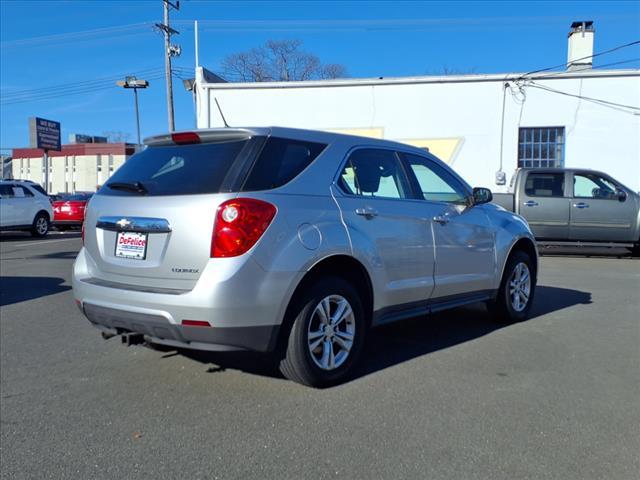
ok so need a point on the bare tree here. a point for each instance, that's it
(278, 60)
(333, 70)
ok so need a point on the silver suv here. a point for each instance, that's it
(293, 241)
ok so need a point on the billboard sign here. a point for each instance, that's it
(44, 134)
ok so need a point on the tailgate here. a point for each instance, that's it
(151, 241)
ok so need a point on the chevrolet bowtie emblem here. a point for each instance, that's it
(123, 222)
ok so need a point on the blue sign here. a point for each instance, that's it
(45, 134)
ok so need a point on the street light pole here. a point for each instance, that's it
(135, 94)
(135, 84)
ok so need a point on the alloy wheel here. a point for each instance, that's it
(520, 287)
(331, 332)
(42, 225)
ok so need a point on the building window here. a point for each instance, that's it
(99, 163)
(541, 147)
(110, 164)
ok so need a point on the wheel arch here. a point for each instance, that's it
(526, 245)
(42, 210)
(340, 265)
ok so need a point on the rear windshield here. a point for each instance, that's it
(175, 170)
(77, 197)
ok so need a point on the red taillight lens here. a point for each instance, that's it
(184, 138)
(195, 323)
(239, 225)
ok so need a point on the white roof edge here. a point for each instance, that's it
(499, 77)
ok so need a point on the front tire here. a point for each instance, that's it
(40, 226)
(327, 335)
(517, 288)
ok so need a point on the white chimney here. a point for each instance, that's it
(580, 46)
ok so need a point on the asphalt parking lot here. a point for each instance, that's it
(453, 396)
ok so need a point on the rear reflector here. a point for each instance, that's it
(184, 138)
(195, 323)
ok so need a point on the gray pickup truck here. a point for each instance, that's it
(575, 206)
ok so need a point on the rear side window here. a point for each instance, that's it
(19, 191)
(176, 169)
(544, 185)
(280, 161)
(38, 188)
(6, 191)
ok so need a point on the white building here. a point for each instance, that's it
(479, 124)
(81, 167)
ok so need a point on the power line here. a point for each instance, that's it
(74, 85)
(86, 89)
(630, 44)
(589, 68)
(582, 97)
(80, 35)
(377, 24)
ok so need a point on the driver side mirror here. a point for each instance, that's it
(481, 195)
(621, 195)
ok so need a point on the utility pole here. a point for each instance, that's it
(169, 51)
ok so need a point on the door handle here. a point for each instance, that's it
(581, 205)
(367, 212)
(531, 203)
(441, 219)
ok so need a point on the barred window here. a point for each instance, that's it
(541, 147)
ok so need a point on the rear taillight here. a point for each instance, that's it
(239, 225)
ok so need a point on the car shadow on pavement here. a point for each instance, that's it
(403, 341)
(20, 289)
(27, 237)
(69, 255)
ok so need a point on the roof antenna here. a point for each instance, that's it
(221, 114)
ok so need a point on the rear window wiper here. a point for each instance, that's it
(136, 187)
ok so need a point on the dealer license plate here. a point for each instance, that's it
(65, 208)
(131, 245)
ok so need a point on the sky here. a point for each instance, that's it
(60, 59)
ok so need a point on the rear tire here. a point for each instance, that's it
(327, 335)
(517, 288)
(40, 226)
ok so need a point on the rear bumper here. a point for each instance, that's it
(158, 329)
(70, 223)
(243, 303)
